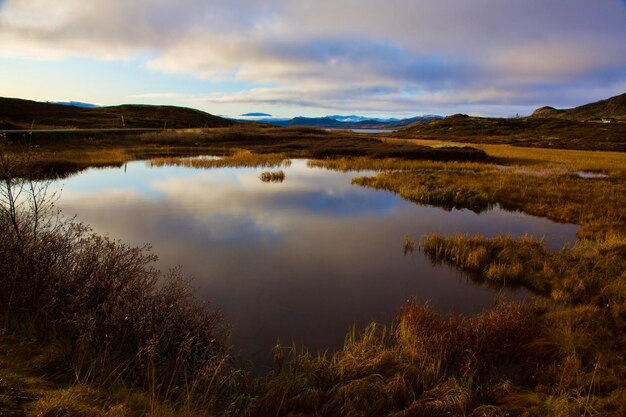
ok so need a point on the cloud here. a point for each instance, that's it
(343, 54)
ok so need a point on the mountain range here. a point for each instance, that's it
(348, 122)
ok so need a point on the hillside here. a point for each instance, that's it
(531, 131)
(27, 114)
(612, 108)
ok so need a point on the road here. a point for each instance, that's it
(82, 130)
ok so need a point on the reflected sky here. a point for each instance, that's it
(300, 260)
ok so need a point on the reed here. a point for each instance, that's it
(425, 364)
(240, 158)
(269, 176)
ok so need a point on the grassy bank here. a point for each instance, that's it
(542, 183)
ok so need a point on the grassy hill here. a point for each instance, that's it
(532, 131)
(612, 108)
(27, 114)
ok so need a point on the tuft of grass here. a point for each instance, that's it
(276, 176)
(408, 244)
(425, 364)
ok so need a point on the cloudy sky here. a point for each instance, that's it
(297, 57)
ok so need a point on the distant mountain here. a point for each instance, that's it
(256, 115)
(349, 122)
(75, 104)
(612, 108)
(27, 114)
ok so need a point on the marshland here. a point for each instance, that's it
(376, 276)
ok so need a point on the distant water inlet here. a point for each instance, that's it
(302, 259)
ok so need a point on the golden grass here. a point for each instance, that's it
(269, 176)
(598, 205)
(580, 368)
(240, 158)
(426, 364)
(586, 273)
(32, 383)
(560, 358)
(612, 163)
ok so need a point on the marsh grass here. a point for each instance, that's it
(425, 364)
(580, 367)
(597, 205)
(589, 272)
(240, 158)
(275, 176)
(408, 244)
(119, 344)
(612, 163)
(585, 363)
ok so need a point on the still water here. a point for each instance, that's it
(302, 260)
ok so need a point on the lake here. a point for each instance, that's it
(366, 130)
(302, 260)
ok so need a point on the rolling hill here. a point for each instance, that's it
(27, 114)
(612, 108)
(530, 131)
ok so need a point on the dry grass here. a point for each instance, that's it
(240, 158)
(563, 358)
(276, 176)
(583, 366)
(596, 204)
(426, 364)
(612, 163)
(579, 366)
(587, 273)
(528, 132)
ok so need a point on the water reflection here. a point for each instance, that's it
(300, 260)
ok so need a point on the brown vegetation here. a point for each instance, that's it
(527, 132)
(29, 115)
(106, 315)
(61, 154)
(595, 204)
(239, 158)
(562, 357)
(613, 108)
(269, 176)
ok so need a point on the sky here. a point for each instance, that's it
(382, 58)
